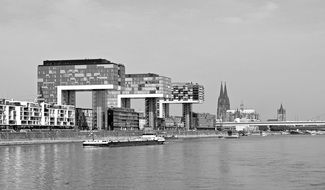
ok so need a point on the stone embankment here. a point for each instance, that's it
(59, 136)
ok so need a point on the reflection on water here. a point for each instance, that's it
(248, 163)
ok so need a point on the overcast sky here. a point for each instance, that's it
(268, 52)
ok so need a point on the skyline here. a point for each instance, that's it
(269, 52)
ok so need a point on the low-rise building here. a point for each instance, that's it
(242, 115)
(173, 122)
(204, 121)
(122, 118)
(24, 114)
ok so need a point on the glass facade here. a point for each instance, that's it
(147, 84)
(77, 72)
(187, 92)
(89, 73)
(122, 118)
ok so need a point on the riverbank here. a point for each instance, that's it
(52, 137)
(58, 141)
(34, 142)
(56, 137)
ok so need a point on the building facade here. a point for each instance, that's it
(204, 121)
(59, 80)
(150, 87)
(242, 115)
(122, 118)
(173, 123)
(23, 114)
(223, 104)
(187, 94)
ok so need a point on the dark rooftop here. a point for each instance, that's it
(141, 75)
(76, 62)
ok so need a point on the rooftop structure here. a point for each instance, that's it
(76, 62)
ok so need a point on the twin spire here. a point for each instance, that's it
(223, 91)
(223, 103)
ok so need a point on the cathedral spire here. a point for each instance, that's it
(225, 91)
(221, 91)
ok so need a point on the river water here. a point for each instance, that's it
(272, 162)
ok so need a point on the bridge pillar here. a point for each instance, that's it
(126, 103)
(165, 110)
(99, 104)
(187, 115)
(151, 112)
(68, 97)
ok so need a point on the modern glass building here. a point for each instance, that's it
(149, 86)
(59, 80)
(187, 92)
(148, 83)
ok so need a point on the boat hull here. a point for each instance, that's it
(121, 143)
(232, 137)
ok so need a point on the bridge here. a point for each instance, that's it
(268, 124)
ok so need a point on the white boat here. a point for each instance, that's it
(233, 136)
(146, 139)
(264, 134)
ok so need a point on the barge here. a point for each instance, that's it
(146, 139)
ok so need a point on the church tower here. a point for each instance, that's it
(281, 114)
(223, 103)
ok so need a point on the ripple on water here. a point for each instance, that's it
(249, 163)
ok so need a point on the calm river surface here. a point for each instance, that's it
(272, 162)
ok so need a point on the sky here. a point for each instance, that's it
(269, 52)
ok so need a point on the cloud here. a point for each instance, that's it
(252, 14)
